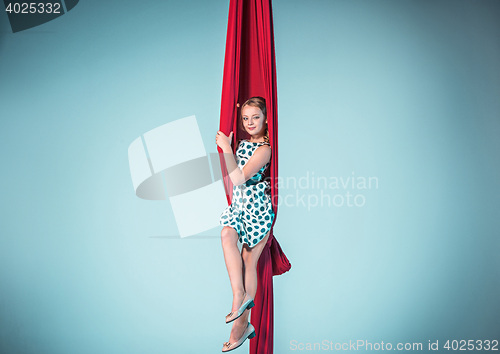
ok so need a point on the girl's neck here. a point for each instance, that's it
(254, 140)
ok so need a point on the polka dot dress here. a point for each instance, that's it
(250, 213)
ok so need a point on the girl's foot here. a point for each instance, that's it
(237, 301)
(248, 333)
(239, 327)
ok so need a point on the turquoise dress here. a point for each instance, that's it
(251, 212)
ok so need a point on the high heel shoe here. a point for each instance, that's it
(245, 304)
(249, 333)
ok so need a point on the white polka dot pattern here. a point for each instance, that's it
(250, 213)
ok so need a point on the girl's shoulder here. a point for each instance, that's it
(244, 143)
(264, 143)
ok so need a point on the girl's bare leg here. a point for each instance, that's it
(250, 257)
(234, 264)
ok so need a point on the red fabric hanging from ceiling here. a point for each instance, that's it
(250, 70)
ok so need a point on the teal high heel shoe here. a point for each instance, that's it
(249, 333)
(245, 305)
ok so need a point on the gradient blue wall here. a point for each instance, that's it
(406, 92)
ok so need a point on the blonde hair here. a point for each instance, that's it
(260, 103)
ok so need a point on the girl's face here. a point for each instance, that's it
(253, 121)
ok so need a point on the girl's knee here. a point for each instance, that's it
(250, 263)
(228, 234)
(250, 256)
(246, 255)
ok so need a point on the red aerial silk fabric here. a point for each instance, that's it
(250, 70)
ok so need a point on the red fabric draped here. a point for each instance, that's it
(250, 70)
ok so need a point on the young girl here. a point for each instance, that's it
(249, 217)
